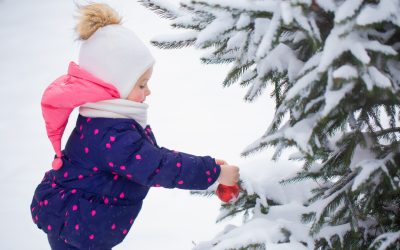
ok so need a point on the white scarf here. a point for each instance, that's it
(116, 108)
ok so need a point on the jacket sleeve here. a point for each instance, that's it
(132, 156)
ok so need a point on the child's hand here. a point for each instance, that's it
(229, 175)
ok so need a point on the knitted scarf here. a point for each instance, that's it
(116, 108)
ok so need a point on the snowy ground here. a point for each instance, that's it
(37, 42)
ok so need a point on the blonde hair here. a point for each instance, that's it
(94, 16)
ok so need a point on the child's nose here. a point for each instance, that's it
(148, 92)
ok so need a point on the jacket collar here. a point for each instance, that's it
(77, 71)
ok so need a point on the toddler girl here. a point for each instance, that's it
(93, 194)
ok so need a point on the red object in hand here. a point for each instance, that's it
(227, 193)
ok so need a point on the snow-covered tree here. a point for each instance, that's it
(334, 70)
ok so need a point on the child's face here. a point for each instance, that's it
(141, 89)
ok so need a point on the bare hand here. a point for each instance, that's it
(229, 175)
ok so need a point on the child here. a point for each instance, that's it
(95, 191)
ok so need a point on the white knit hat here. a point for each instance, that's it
(117, 56)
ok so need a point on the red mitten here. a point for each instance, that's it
(227, 193)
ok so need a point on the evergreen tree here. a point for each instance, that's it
(334, 70)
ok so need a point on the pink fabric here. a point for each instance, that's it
(66, 93)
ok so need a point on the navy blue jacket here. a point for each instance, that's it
(109, 165)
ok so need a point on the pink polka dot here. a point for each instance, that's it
(215, 170)
(62, 196)
(77, 227)
(125, 231)
(129, 176)
(73, 191)
(49, 227)
(157, 170)
(41, 203)
(88, 119)
(138, 157)
(46, 202)
(36, 218)
(91, 236)
(208, 172)
(131, 221)
(33, 209)
(111, 164)
(157, 185)
(80, 177)
(179, 164)
(133, 126)
(65, 174)
(209, 179)
(96, 131)
(53, 185)
(115, 177)
(86, 150)
(82, 136)
(112, 138)
(80, 127)
(113, 226)
(93, 212)
(105, 200)
(95, 169)
(180, 182)
(74, 207)
(108, 145)
(121, 195)
(122, 167)
(115, 199)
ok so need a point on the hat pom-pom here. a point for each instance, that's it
(57, 163)
(94, 16)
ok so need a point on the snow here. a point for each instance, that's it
(243, 21)
(213, 31)
(266, 41)
(385, 10)
(345, 72)
(254, 5)
(287, 15)
(364, 161)
(328, 5)
(333, 97)
(237, 40)
(302, 20)
(379, 79)
(260, 25)
(378, 47)
(336, 45)
(327, 231)
(387, 239)
(280, 59)
(181, 36)
(347, 10)
(302, 131)
(266, 228)
(302, 84)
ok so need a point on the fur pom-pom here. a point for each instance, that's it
(94, 16)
